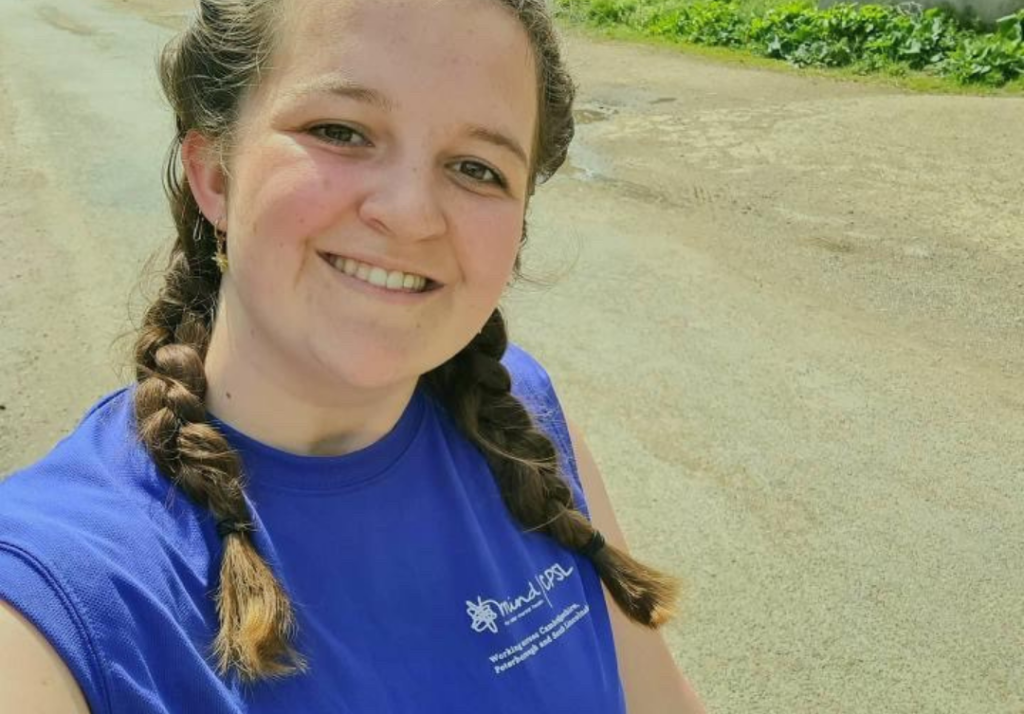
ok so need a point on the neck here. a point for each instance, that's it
(261, 394)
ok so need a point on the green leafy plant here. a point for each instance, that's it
(711, 23)
(869, 38)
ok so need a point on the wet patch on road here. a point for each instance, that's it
(591, 113)
(62, 21)
(833, 244)
(171, 14)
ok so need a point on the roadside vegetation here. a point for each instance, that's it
(865, 40)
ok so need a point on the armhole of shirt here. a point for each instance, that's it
(558, 430)
(32, 590)
(538, 393)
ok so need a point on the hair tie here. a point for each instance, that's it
(228, 526)
(595, 544)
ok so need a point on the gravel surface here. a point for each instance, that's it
(786, 312)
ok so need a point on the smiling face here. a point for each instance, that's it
(396, 135)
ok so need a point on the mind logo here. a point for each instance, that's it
(484, 614)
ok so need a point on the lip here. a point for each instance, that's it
(384, 263)
(390, 296)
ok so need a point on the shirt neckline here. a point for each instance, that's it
(266, 465)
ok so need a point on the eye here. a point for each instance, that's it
(478, 172)
(338, 134)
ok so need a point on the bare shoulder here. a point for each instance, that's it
(650, 677)
(33, 677)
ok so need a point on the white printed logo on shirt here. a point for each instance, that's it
(486, 614)
(482, 612)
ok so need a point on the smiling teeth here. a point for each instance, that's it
(393, 280)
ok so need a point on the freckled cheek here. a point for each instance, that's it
(491, 246)
(298, 204)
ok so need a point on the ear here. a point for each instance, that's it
(201, 160)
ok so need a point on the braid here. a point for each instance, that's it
(207, 72)
(476, 389)
(256, 619)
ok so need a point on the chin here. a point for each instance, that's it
(373, 369)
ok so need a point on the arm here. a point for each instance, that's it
(33, 677)
(652, 682)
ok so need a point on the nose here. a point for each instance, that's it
(404, 203)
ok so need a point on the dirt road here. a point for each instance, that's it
(789, 319)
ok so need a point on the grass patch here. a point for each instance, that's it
(934, 50)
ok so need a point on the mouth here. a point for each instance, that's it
(391, 280)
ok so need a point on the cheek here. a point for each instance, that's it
(492, 242)
(292, 199)
(268, 244)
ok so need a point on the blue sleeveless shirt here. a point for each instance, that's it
(413, 588)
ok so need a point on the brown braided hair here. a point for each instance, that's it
(206, 73)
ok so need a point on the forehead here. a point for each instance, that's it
(453, 55)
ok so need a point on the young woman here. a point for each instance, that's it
(335, 487)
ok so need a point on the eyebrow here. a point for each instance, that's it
(498, 139)
(342, 87)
